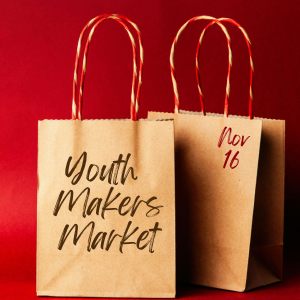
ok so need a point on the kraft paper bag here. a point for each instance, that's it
(106, 207)
(229, 194)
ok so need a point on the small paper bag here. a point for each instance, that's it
(229, 192)
(106, 205)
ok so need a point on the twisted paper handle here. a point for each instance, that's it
(251, 66)
(134, 100)
(228, 72)
(85, 59)
(176, 96)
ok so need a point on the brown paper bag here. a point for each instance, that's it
(229, 214)
(106, 207)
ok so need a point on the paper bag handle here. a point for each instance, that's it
(176, 96)
(134, 100)
(228, 72)
(251, 67)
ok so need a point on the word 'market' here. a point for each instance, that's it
(105, 241)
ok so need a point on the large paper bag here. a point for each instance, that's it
(106, 206)
(229, 205)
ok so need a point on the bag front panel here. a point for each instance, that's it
(123, 204)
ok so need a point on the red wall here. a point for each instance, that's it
(38, 43)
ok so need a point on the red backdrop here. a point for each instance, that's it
(38, 43)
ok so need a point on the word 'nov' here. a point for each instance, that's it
(234, 142)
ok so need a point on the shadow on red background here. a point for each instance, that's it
(38, 43)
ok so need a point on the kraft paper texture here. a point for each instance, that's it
(266, 248)
(123, 208)
(229, 220)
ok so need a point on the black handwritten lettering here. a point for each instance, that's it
(70, 193)
(109, 202)
(68, 173)
(154, 230)
(100, 237)
(153, 207)
(141, 238)
(89, 172)
(76, 238)
(109, 172)
(135, 205)
(127, 236)
(117, 164)
(123, 205)
(124, 175)
(95, 203)
(111, 239)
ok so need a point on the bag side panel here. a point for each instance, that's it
(214, 204)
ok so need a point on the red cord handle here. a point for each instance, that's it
(251, 67)
(135, 100)
(176, 95)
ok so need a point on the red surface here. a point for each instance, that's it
(38, 43)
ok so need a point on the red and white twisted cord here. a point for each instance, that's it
(134, 100)
(176, 96)
(138, 92)
(74, 108)
(84, 66)
(228, 72)
(251, 63)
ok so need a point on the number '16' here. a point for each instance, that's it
(234, 162)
